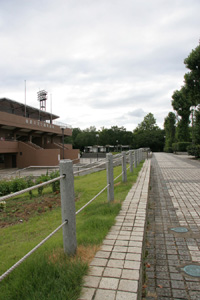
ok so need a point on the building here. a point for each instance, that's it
(31, 137)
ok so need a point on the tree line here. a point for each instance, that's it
(181, 127)
(146, 134)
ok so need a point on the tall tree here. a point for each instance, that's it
(148, 134)
(170, 129)
(192, 79)
(181, 103)
(148, 123)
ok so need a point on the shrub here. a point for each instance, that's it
(168, 149)
(30, 183)
(42, 179)
(180, 147)
(194, 150)
(55, 184)
(4, 187)
(18, 184)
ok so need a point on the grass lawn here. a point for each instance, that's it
(49, 273)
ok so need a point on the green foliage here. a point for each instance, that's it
(149, 135)
(18, 184)
(194, 150)
(48, 273)
(55, 184)
(192, 79)
(180, 146)
(170, 129)
(149, 123)
(196, 127)
(181, 104)
(45, 278)
(41, 179)
(4, 187)
(188, 96)
(30, 183)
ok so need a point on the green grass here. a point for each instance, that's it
(48, 273)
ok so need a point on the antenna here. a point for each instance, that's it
(51, 107)
(25, 97)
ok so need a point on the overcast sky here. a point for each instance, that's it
(103, 62)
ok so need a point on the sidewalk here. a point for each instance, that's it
(116, 271)
(174, 201)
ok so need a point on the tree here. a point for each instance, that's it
(197, 126)
(192, 79)
(148, 123)
(181, 103)
(170, 130)
(148, 134)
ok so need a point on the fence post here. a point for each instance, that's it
(110, 180)
(131, 160)
(135, 158)
(124, 174)
(68, 206)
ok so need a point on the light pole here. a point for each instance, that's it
(97, 136)
(117, 145)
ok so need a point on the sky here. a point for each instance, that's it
(103, 62)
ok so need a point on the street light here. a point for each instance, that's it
(117, 145)
(97, 136)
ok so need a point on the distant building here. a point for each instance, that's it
(30, 137)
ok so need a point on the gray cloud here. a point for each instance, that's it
(105, 62)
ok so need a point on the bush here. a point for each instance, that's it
(194, 150)
(180, 147)
(4, 187)
(168, 149)
(42, 179)
(30, 183)
(55, 184)
(18, 184)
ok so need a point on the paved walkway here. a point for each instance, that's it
(174, 201)
(116, 271)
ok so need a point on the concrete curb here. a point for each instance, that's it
(116, 271)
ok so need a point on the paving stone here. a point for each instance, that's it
(128, 285)
(105, 295)
(130, 274)
(109, 283)
(96, 271)
(112, 272)
(126, 296)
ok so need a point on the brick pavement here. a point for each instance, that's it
(116, 271)
(174, 200)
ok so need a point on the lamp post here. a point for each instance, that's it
(117, 145)
(97, 136)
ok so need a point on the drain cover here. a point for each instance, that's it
(192, 270)
(180, 229)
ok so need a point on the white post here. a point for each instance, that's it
(68, 206)
(110, 180)
(131, 160)
(124, 174)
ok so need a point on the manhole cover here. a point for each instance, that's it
(192, 270)
(180, 229)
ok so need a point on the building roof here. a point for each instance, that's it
(14, 107)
